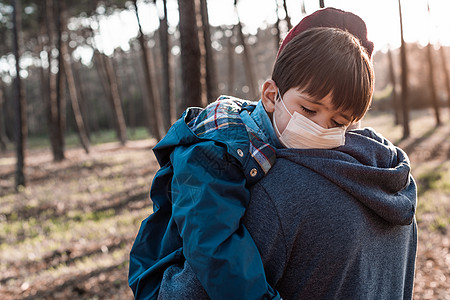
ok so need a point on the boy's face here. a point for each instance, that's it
(320, 111)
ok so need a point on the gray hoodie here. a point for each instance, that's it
(330, 224)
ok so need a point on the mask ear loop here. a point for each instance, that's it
(273, 116)
(282, 102)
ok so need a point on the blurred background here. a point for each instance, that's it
(88, 87)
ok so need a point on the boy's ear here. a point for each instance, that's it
(269, 95)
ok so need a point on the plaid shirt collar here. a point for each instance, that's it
(219, 118)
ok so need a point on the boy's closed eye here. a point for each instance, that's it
(307, 110)
(337, 124)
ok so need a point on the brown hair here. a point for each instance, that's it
(320, 61)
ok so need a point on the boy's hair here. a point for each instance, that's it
(320, 61)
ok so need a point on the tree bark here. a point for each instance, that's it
(395, 102)
(446, 73)
(404, 78)
(57, 87)
(76, 68)
(247, 57)
(190, 55)
(211, 78)
(65, 59)
(116, 103)
(277, 27)
(167, 101)
(20, 102)
(3, 137)
(288, 18)
(432, 84)
(156, 124)
(231, 72)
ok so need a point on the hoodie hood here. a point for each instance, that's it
(368, 167)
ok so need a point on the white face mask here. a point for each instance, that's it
(302, 133)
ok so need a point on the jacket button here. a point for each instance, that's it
(240, 153)
(253, 172)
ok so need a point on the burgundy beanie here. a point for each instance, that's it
(335, 18)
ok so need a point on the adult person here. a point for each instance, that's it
(210, 157)
(330, 224)
(335, 223)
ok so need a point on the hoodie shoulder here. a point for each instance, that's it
(371, 133)
(372, 148)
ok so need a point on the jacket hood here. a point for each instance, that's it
(368, 167)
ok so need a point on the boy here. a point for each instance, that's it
(210, 157)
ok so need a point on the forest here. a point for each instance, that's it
(79, 119)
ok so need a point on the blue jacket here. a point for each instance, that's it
(208, 159)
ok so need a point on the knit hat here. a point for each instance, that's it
(335, 18)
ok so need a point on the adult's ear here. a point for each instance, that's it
(269, 95)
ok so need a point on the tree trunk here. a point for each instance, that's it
(446, 74)
(116, 103)
(190, 55)
(139, 75)
(288, 19)
(167, 101)
(247, 57)
(3, 137)
(231, 71)
(76, 68)
(277, 27)
(404, 78)
(156, 124)
(322, 3)
(432, 84)
(56, 110)
(211, 78)
(19, 97)
(65, 59)
(395, 102)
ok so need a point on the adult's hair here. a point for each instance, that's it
(322, 61)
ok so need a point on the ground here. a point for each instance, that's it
(68, 233)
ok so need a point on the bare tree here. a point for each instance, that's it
(211, 78)
(57, 84)
(167, 101)
(114, 97)
(288, 18)
(404, 78)
(65, 59)
(431, 81)
(395, 102)
(277, 26)
(231, 52)
(20, 102)
(3, 137)
(248, 64)
(432, 84)
(446, 75)
(155, 119)
(303, 8)
(190, 54)
(81, 91)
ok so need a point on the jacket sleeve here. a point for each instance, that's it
(210, 197)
